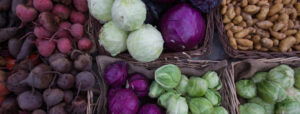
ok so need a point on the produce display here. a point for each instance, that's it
(272, 92)
(174, 92)
(263, 25)
(131, 25)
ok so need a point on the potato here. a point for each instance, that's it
(285, 2)
(226, 19)
(224, 10)
(235, 29)
(243, 48)
(267, 43)
(262, 15)
(228, 26)
(223, 2)
(229, 33)
(237, 19)
(262, 33)
(245, 42)
(278, 26)
(275, 42)
(251, 9)
(287, 43)
(252, 2)
(275, 9)
(278, 35)
(248, 19)
(264, 49)
(263, 3)
(291, 24)
(230, 12)
(244, 3)
(238, 10)
(298, 37)
(264, 24)
(284, 18)
(274, 18)
(297, 6)
(243, 24)
(257, 46)
(232, 43)
(290, 32)
(242, 33)
(256, 39)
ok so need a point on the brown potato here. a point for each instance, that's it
(263, 3)
(290, 32)
(226, 19)
(298, 37)
(237, 19)
(267, 43)
(278, 35)
(262, 15)
(274, 18)
(248, 19)
(278, 26)
(235, 29)
(242, 33)
(287, 43)
(244, 3)
(256, 39)
(224, 10)
(229, 33)
(275, 9)
(228, 26)
(245, 43)
(262, 33)
(230, 12)
(251, 9)
(257, 46)
(275, 42)
(264, 24)
(233, 43)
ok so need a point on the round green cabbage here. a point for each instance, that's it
(181, 88)
(200, 106)
(246, 89)
(155, 90)
(293, 94)
(259, 76)
(145, 44)
(220, 110)
(164, 98)
(251, 108)
(100, 9)
(197, 87)
(269, 108)
(168, 76)
(283, 75)
(177, 105)
(212, 78)
(271, 92)
(297, 77)
(113, 39)
(214, 97)
(288, 107)
(129, 15)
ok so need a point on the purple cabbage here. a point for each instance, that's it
(139, 84)
(115, 74)
(182, 27)
(150, 109)
(123, 102)
(205, 5)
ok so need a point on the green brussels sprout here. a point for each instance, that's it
(269, 108)
(271, 92)
(246, 89)
(288, 106)
(145, 44)
(283, 75)
(297, 77)
(214, 97)
(181, 88)
(129, 15)
(219, 86)
(155, 90)
(101, 9)
(168, 76)
(212, 78)
(164, 98)
(113, 39)
(293, 94)
(177, 105)
(220, 110)
(251, 108)
(259, 76)
(200, 106)
(197, 87)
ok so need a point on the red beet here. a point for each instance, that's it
(48, 21)
(64, 45)
(76, 30)
(79, 105)
(85, 81)
(53, 96)
(14, 82)
(61, 64)
(41, 32)
(43, 5)
(68, 96)
(85, 44)
(45, 47)
(61, 11)
(26, 14)
(77, 17)
(39, 77)
(58, 109)
(30, 100)
(65, 81)
(81, 5)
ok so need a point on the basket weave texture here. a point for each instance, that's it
(200, 50)
(188, 67)
(247, 68)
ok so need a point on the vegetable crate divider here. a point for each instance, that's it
(202, 49)
(247, 68)
(244, 54)
(187, 67)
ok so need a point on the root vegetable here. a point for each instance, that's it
(26, 14)
(267, 43)
(245, 42)
(83, 62)
(248, 19)
(68, 96)
(48, 21)
(5, 5)
(41, 32)
(56, 56)
(77, 17)
(14, 5)
(39, 111)
(64, 45)
(242, 33)
(251, 9)
(233, 43)
(298, 37)
(26, 48)
(81, 5)
(53, 96)
(79, 105)
(61, 65)
(274, 18)
(290, 32)
(30, 100)
(65, 81)
(58, 109)
(230, 12)
(264, 24)
(287, 43)
(61, 11)
(65, 2)
(14, 82)
(65, 25)
(39, 77)
(14, 46)
(45, 47)
(85, 81)
(7, 33)
(275, 8)
(85, 44)
(76, 30)
(237, 19)
(43, 5)
(278, 35)
(9, 106)
(278, 26)
(236, 29)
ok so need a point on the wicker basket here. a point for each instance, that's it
(247, 68)
(244, 54)
(201, 50)
(188, 67)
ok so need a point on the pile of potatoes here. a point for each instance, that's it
(263, 25)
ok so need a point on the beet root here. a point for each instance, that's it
(53, 96)
(39, 77)
(39, 111)
(45, 47)
(83, 62)
(85, 81)
(26, 48)
(81, 5)
(64, 45)
(26, 14)
(41, 32)
(14, 46)
(68, 96)
(14, 82)
(65, 81)
(79, 106)
(61, 11)
(77, 30)
(56, 56)
(30, 100)
(85, 44)
(43, 5)
(58, 109)
(48, 21)
(77, 17)
(61, 65)
(9, 106)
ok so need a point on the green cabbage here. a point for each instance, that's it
(197, 87)
(288, 106)
(283, 75)
(200, 106)
(246, 89)
(101, 9)
(220, 110)
(271, 92)
(297, 77)
(164, 98)
(293, 94)
(113, 39)
(181, 88)
(168, 76)
(145, 44)
(214, 97)
(269, 108)
(251, 108)
(212, 78)
(259, 76)
(155, 90)
(177, 105)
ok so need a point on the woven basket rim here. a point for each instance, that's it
(203, 50)
(254, 54)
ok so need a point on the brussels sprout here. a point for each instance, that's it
(181, 88)
(164, 98)
(220, 110)
(246, 89)
(197, 87)
(269, 108)
(293, 94)
(168, 76)
(214, 97)
(270, 92)
(297, 77)
(145, 44)
(129, 15)
(155, 90)
(283, 75)
(101, 9)
(251, 108)
(219, 86)
(288, 107)
(200, 106)
(259, 76)
(212, 78)
(113, 39)
(177, 105)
